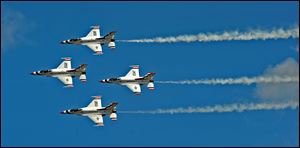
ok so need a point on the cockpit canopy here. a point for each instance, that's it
(114, 79)
(73, 40)
(75, 110)
(44, 71)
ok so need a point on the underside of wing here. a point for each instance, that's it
(67, 80)
(98, 119)
(136, 88)
(66, 64)
(133, 73)
(95, 32)
(96, 48)
(96, 102)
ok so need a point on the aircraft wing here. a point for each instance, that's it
(66, 64)
(95, 47)
(136, 88)
(133, 73)
(95, 32)
(67, 80)
(96, 102)
(98, 119)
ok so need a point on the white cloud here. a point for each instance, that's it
(280, 92)
(14, 28)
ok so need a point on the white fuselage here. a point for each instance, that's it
(124, 80)
(89, 111)
(57, 72)
(85, 40)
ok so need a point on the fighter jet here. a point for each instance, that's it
(94, 41)
(95, 111)
(133, 80)
(64, 72)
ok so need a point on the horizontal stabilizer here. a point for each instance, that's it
(111, 106)
(110, 35)
(149, 75)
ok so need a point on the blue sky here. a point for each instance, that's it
(30, 105)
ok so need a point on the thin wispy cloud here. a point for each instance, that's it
(14, 28)
(255, 34)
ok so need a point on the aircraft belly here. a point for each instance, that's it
(133, 81)
(92, 113)
(97, 41)
(66, 73)
(101, 41)
(97, 112)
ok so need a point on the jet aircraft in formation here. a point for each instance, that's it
(133, 80)
(65, 73)
(94, 41)
(95, 111)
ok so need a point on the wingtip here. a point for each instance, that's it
(98, 53)
(151, 73)
(95, 26)
(99, 124)
(135, 66)
(97, 97)
(69, 86)
(67, 58)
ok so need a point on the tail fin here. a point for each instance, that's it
(112, 106)
(149, 75)
(81, 68)
(110, 36)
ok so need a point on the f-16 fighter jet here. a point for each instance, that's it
(95, 111)
(64, 72)
(94, 41)
(133, 80)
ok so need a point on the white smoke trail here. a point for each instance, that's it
(280, 33)
(222, 108)
(242, 80)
